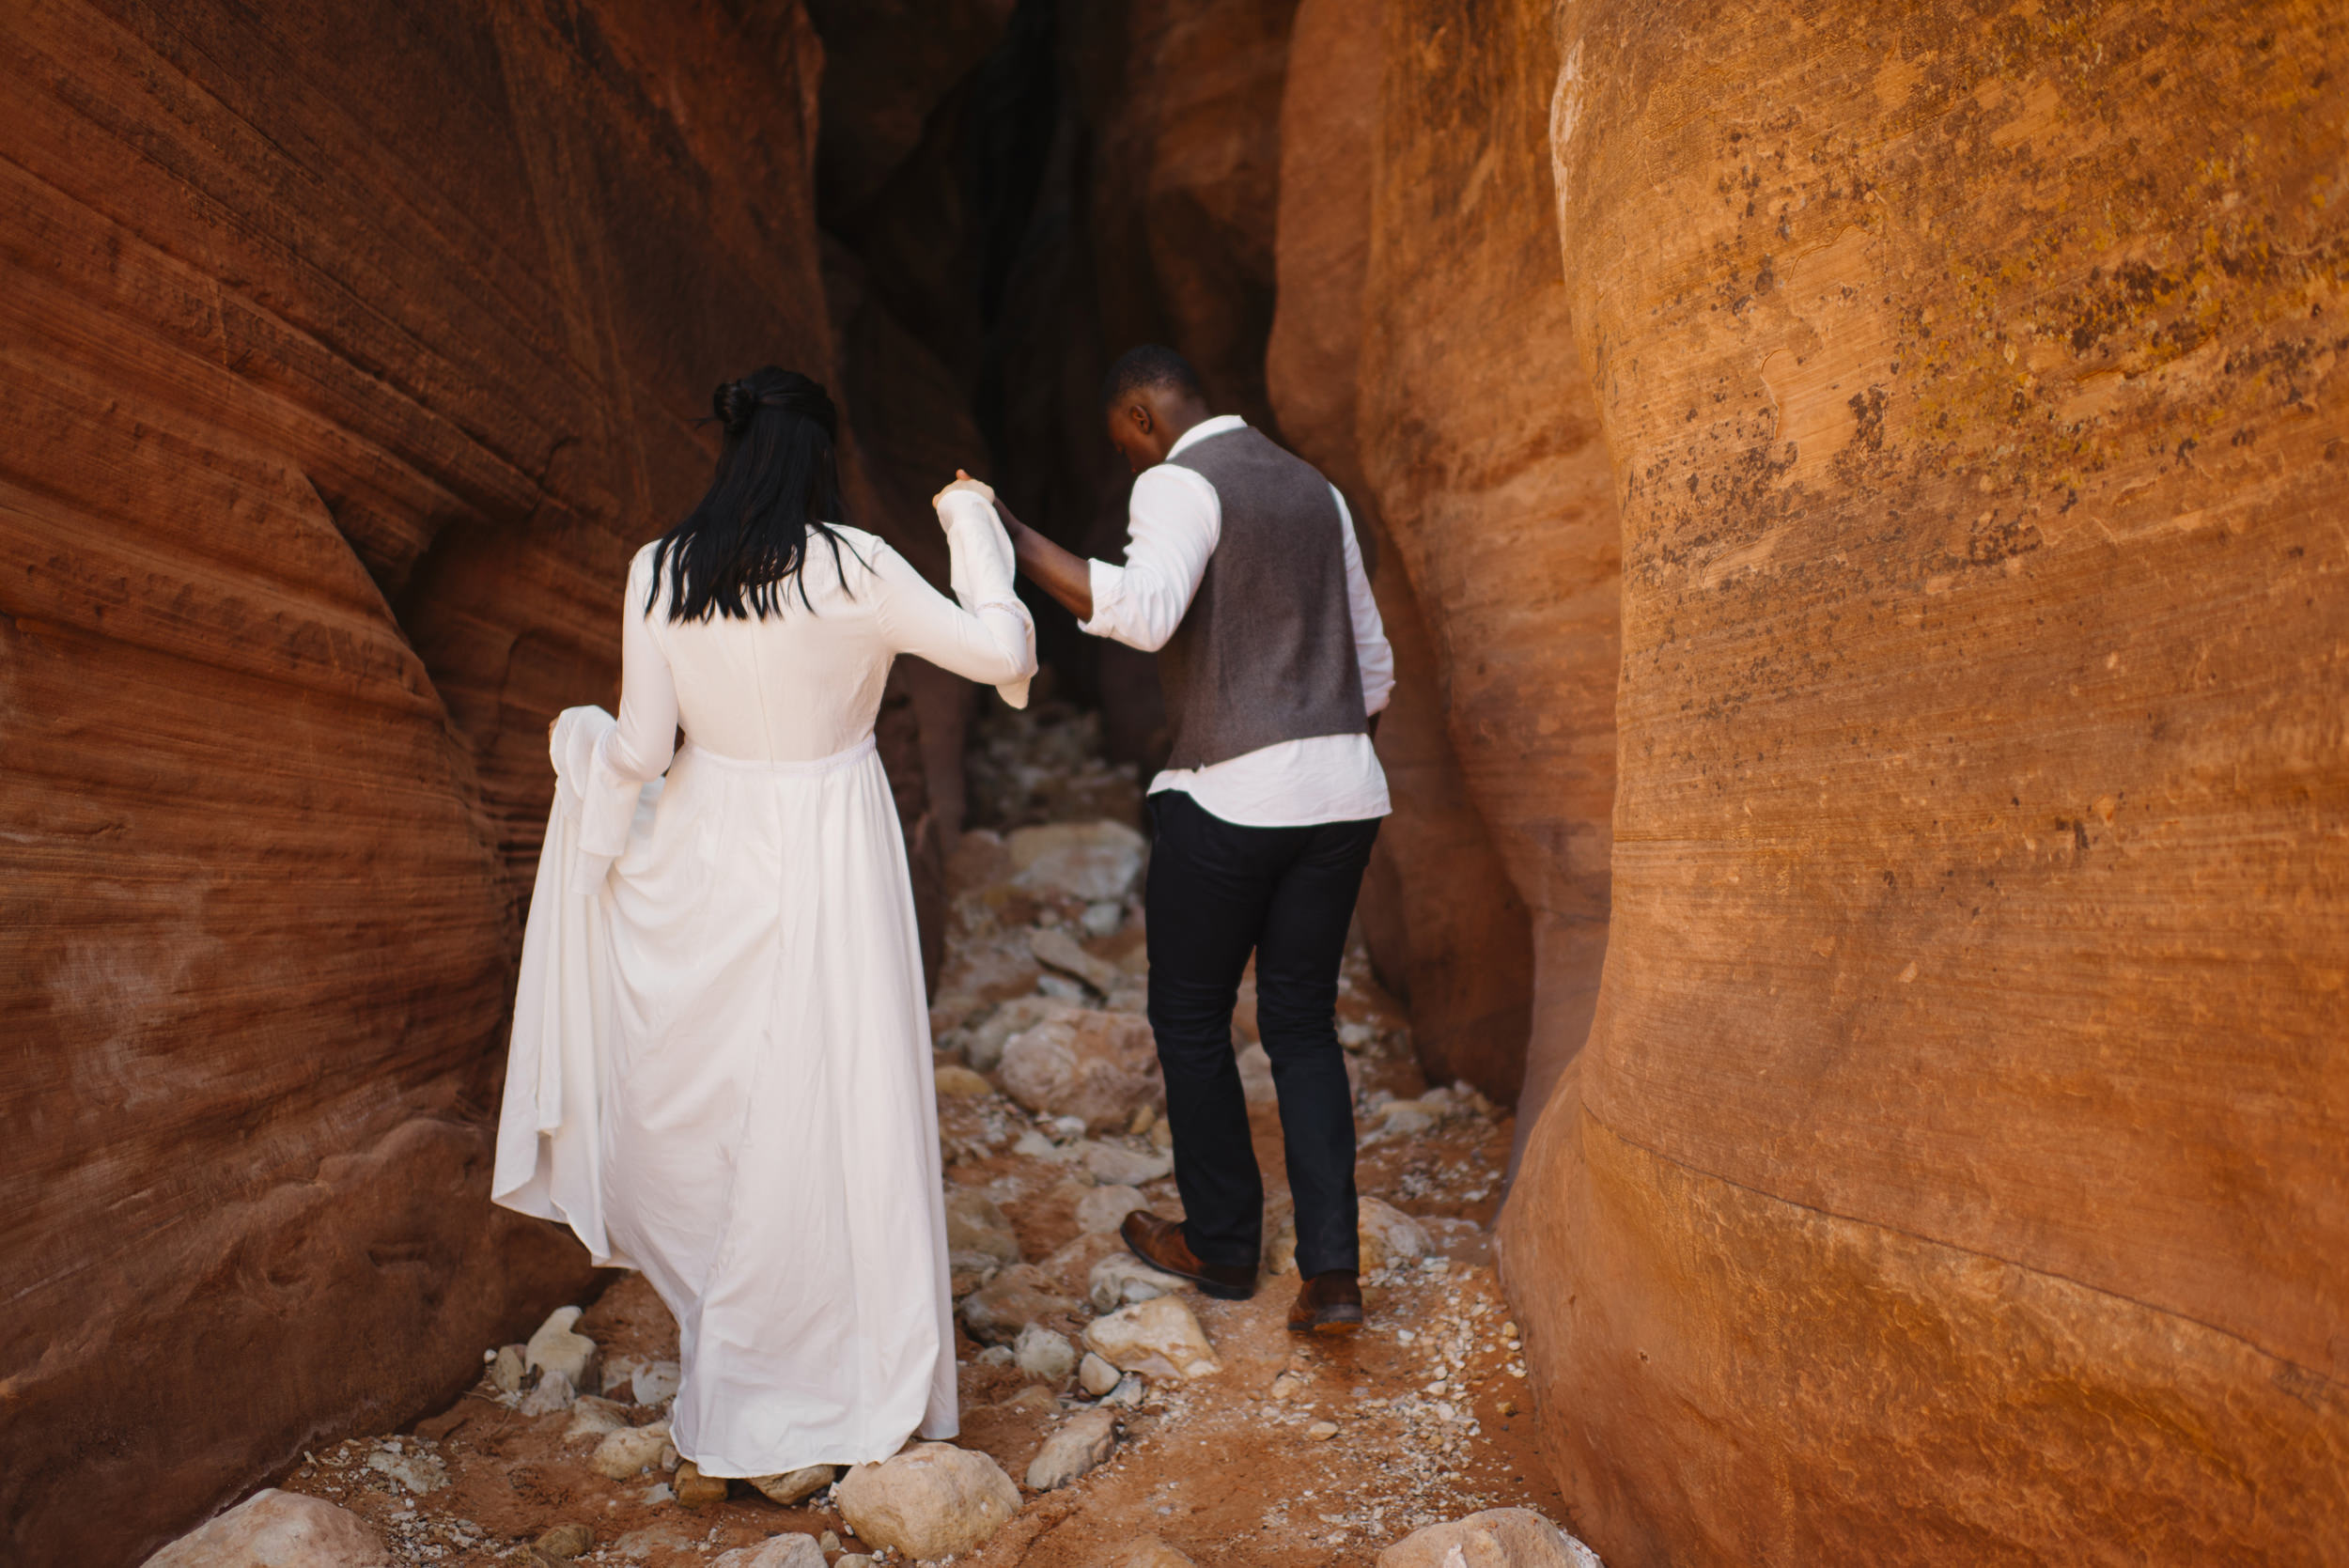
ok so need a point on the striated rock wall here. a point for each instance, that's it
(329, 424)
(1481, 440)
(1956, 1169)
(1447, 928)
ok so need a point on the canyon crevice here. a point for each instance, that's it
(1855, 498)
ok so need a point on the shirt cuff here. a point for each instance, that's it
(1109, 585)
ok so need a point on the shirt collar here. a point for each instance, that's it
(1202, 430)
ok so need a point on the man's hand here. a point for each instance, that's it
(1067, 577)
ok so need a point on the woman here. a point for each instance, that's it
(721, 1067)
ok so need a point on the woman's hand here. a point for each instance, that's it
(963, 481)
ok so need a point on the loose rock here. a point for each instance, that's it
(1105, 1207)
(933, 1499)
(1122, 1279)
(555, 1347)
(418, 1470)
(1096, 1067)
(565, 1542)
(592, 1417)
(552, 1396)
(696, 1490)
(1096, 861)
(1498, 1538)
(1255, 1076)
(1385, 1234)
(983, 1044)
(1095, 1376)
(1043, 1354)
(997, 1311)
(1083, 1442)
(776, 1551)
(1056, 948)
(1160, 1338)
(279, 1529)
(959, 1082)
(1151, 1552)
(656, 1382)
(976, 1225)
(1116, 1164)
(506, 1370)
(796, 1487)
(1321, 1432)
(628, 1452)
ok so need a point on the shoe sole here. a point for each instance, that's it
(1331, 1327)
(1205, 1287)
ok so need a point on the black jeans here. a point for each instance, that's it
(1217, 893)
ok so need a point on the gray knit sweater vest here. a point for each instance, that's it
(1266, 652)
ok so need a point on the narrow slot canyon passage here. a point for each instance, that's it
(1844, 1017)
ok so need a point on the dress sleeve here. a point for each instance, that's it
(988, 636)
(636, 750)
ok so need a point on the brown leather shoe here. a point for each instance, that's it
(1160, 1243)
(1328, 1303)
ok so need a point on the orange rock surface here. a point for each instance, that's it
(1956, 1170)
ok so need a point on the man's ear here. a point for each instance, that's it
(1140, 414)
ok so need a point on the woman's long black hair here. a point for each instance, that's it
(740, 551)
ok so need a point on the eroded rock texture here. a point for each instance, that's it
(1449, 931)
(349, 352)
(1954, 1171)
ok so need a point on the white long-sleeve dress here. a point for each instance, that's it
(719, 1071)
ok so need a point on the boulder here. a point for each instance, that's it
(558, 1348)
(794, 1550)
(1120, 1279)
(629, 1452)
(553, 1395)
(1093, 861)
(1160, 1338)
(793, 1487)
(696, 1490)
(592, 1417)
(1041, 1353)
(1104, 1208)
(983, 1042)
(1096, 1067)
(1080, 1444)
(998, 1309)
(565, 1542)
(1497, 1538)
(278, 1529)
(929, 1501)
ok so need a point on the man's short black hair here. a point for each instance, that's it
(1152, 364)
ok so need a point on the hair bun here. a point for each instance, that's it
(734, 403)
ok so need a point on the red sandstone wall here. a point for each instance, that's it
(1446, 928)
(1956, 1169)
(329, 425)
(1481, 440)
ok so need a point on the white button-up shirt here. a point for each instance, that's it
(1175, 519)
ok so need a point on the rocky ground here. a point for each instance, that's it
(1121, 1417)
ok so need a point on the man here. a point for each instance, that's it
(1243, 575)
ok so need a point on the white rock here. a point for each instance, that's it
(1105, 1207)
(1095, 1376)
(1096, 861)
(506, 1370)
(930, 1501)
(1054, 946)
(1082, 1443)
(552, 1396)
(852, 1560)
(1120, 1279)
(776, 1551)
(277, 1529)
(656, 1382)
(1129, 1392)
(1095, 1066)
(591, 1417)
(1116, 1164)
(1045, 1355)
(1498, 1538)
(1159, 1337)
(796, 1487)
(617, 1375)
(982, 1044)
(1255, 1076)
(558, 1346)
(1102, 919)
(631, 1450)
